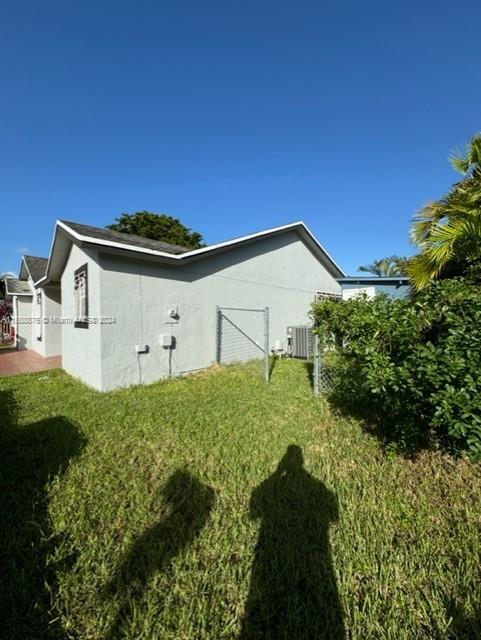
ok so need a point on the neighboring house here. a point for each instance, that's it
(33, 304)
(20, 295)
(394, 286)
(134, 310)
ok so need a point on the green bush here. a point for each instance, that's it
(412, 367)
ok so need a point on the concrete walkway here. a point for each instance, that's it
(14, 362)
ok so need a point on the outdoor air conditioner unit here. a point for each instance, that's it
(300, 342)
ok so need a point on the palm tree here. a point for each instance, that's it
(448, 231)
(390, 266)
(468, 161)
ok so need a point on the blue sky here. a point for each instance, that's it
(234, 117)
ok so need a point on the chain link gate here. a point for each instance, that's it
(243, 334)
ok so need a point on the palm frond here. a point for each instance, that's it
(468, 159)
(459, 160)
(448, 231)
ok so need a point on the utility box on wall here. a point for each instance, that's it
(167, 340)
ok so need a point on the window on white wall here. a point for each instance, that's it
(323, 295)
(38, 315)
(81, 298)
(347, 294)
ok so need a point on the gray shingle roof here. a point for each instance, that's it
(15, 287)
(36, 266)
(124, 238)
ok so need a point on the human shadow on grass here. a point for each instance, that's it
(293, 591)
(31, 456)
(189, 505)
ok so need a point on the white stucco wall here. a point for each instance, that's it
(24, 327)
(50, 343)
(81, 349)
(53, 332)
(279, 272)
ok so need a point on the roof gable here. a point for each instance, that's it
(71, 232)
(33, 266)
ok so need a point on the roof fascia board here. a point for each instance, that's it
(108, 243)
(250, 236)
(374, 279)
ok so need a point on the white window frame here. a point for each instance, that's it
(326, 295)
(38, 315)
(81, 297)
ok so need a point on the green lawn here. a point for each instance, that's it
(185, 510)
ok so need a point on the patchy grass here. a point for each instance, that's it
(183, 510)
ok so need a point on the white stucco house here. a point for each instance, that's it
(31, 302)
(133, 310)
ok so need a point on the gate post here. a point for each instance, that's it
(218, 335)
(317, 364)
(266, 344)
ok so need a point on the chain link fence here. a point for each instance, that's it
(242, 334)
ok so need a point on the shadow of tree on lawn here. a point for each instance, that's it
(190, 503)
(293, 592)
(31, 455)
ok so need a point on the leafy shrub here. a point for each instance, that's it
(411, 366)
